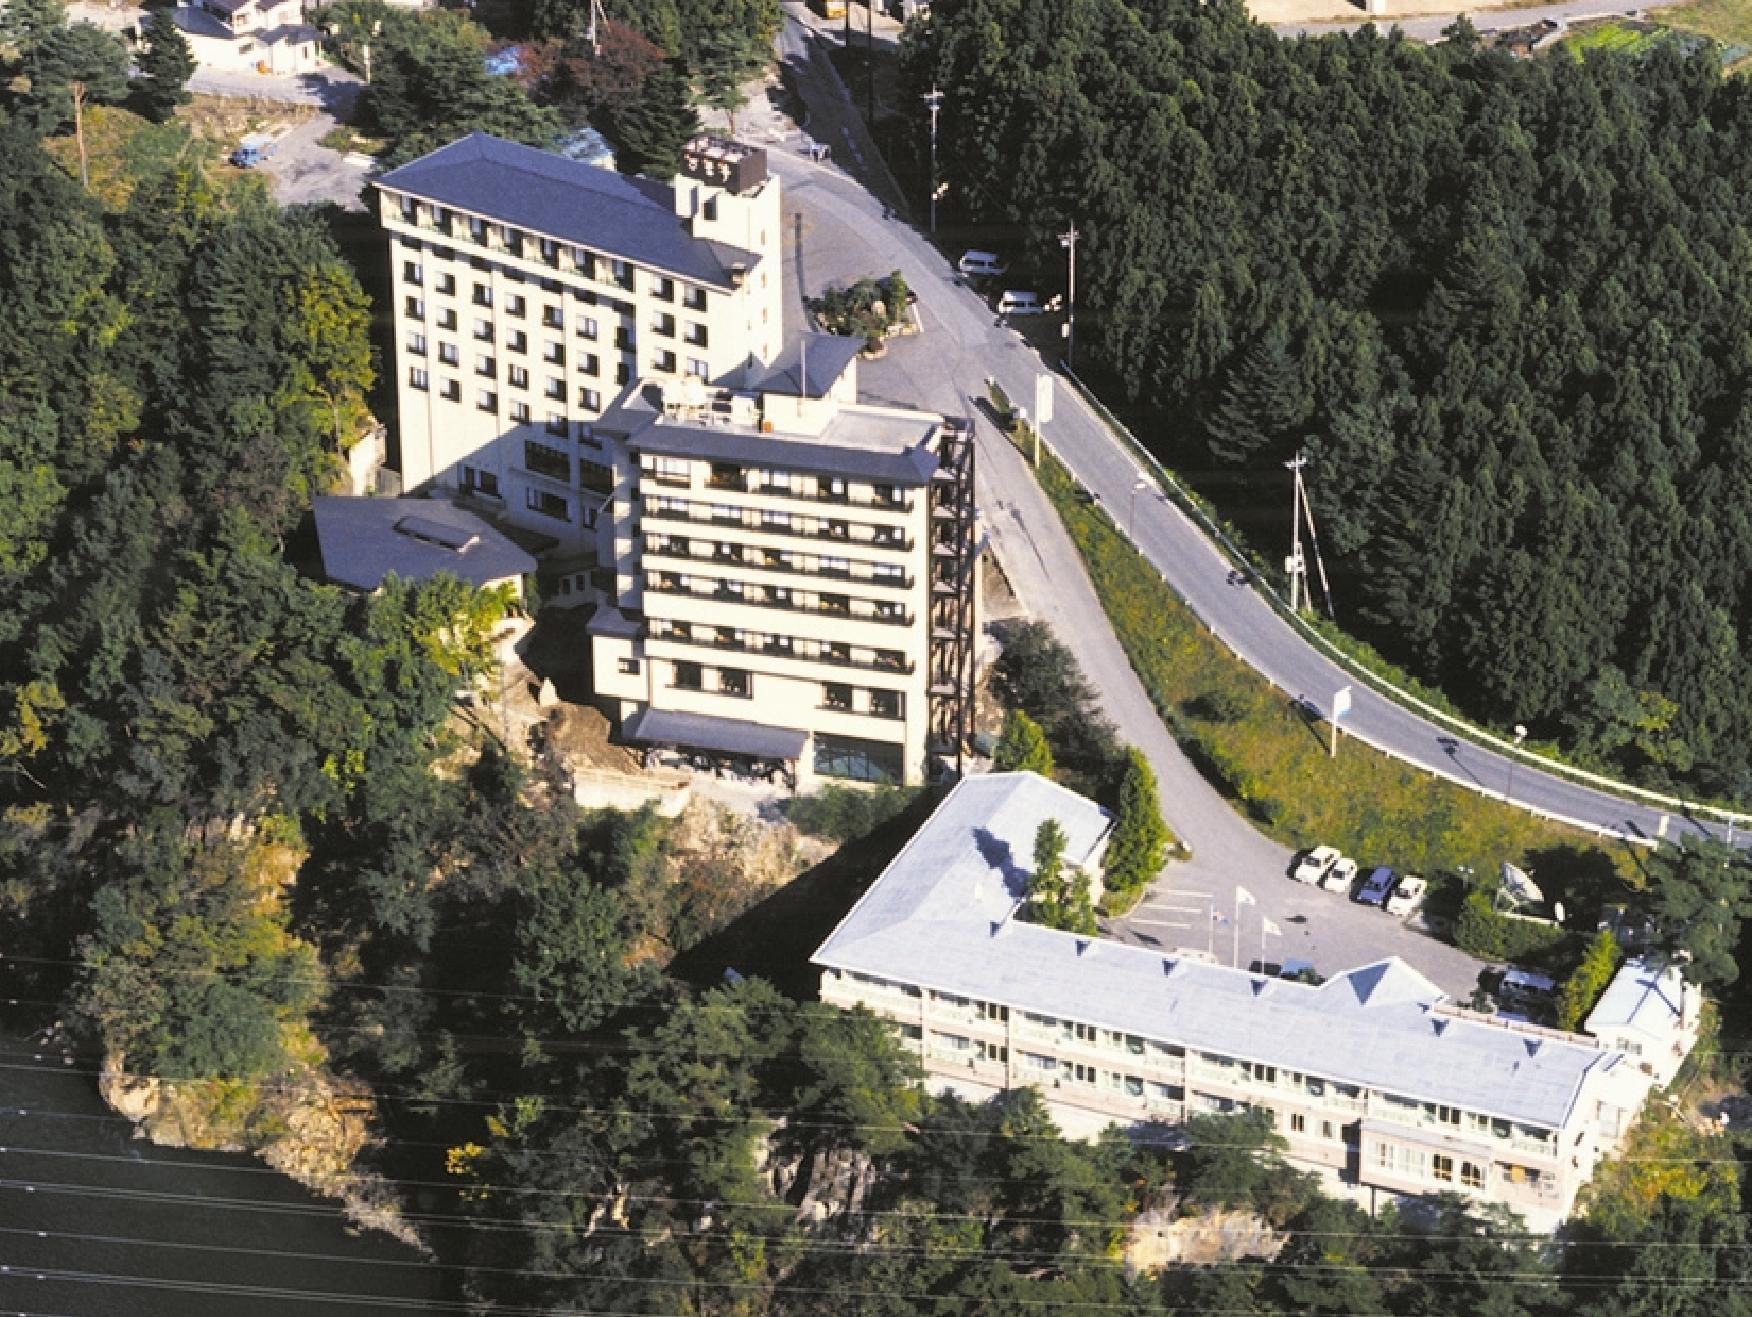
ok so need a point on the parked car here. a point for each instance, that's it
(1341, 875)
(1313, 866)
(982, 265)
(1376, 887)
(1020, 302)
(1407, 895)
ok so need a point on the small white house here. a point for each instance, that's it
(251, 36)
(1649, 1013)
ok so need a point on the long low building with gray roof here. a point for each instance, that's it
(1373, 1077)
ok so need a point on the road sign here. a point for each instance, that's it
(1341, 702)
(1042, 399)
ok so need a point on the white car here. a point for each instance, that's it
(1407, 895)
(982, 265)
(1341, 875)
(1376, 887)
(1312, 867)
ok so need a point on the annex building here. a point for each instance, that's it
(1374, 1078)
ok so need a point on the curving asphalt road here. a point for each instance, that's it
(974, 347)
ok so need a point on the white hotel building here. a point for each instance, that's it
(1373, 1078)
(531, 290)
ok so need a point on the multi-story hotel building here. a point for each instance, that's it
(1372, 1078)
(795, 572)
(786, 576)
(530, 290)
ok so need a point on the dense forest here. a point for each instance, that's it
(1504, 305)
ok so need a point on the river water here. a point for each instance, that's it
(95, 1223)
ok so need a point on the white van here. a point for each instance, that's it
(1020, 302)
(981, 265)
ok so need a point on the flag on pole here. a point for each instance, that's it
(1269, 929)
(1243, 896)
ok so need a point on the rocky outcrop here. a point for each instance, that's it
(1161, 1237)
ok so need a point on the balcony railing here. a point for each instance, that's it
(655, 585)
(750, 520)
(902, 582)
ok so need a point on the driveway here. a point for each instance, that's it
(306, 173)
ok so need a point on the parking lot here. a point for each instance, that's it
(1197, 910)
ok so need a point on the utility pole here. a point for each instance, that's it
(1294, 564)
(1068, 240)
(934, 99)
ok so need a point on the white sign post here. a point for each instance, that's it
(1341, 704)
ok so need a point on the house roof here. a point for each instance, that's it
(633, 218)
(1642, 998)
(699, 731)
(943, 916)
(363, 540)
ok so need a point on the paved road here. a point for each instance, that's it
(1180, 550)
(305, 172)
(334, 89)
(835, 231)
(1429, 27)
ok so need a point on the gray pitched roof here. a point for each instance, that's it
(823, 357)
(363, 540)
(633, 218)
(942, 915)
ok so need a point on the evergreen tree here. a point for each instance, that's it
(649, 132)
(1699, 892)
(1139, 845)
(1022, 747)
(71, 68)
(1262, 404)
(166, 64)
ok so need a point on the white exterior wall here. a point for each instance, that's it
(616, 339)
(1360, 1136)
(783, 690)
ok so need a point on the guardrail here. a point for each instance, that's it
(1190, 505)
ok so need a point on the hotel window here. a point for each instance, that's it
(663, 323)
(483, 295)
(555, 388)
(697, 367)
(836, 696)
(1442, 1167)
(477, 228)
(417, 343)
(694, 334)
(447, 284)
(450, 390)
(687, 676)
(517, 376)
(517, 341)
(545, 461)
(1471, 1175)
(621, 273)
(1448, 1115)
(628, 667)
(889, 573)
(663, 288)
(590, 363)
(515, 305)
(447, 318)
(665, 362)
(885, 704)
(1326, 1130)
(553, 317)
(550, 251)
(558, 424)
(410, 210)
(1083, 1074)
(520, 412)
(483, 330)
(417, 377)
(622, 373)
(485, 365)
(415, 308)
(733, 681)
(590, 399)
(546, 503)
(554, 353)
(487, 400)
(411, 271)
(694, 299)
(584, 262)
(480, 482)
(587, 327)
(448, 354)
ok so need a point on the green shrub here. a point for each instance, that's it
(844, 814)
(1583, 987)
(1022, 748)
(1480, 931)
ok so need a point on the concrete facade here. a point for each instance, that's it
(1374, 1079)
(530, 291)
(251, 36)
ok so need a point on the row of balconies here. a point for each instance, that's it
(780, 647)
(879, 537)
(775, 560)
(881, 612)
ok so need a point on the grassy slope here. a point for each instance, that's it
(1272, 759)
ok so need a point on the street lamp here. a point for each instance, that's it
(1520, 735)
(1068, 240)
(1131, 508)
(934, 99)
